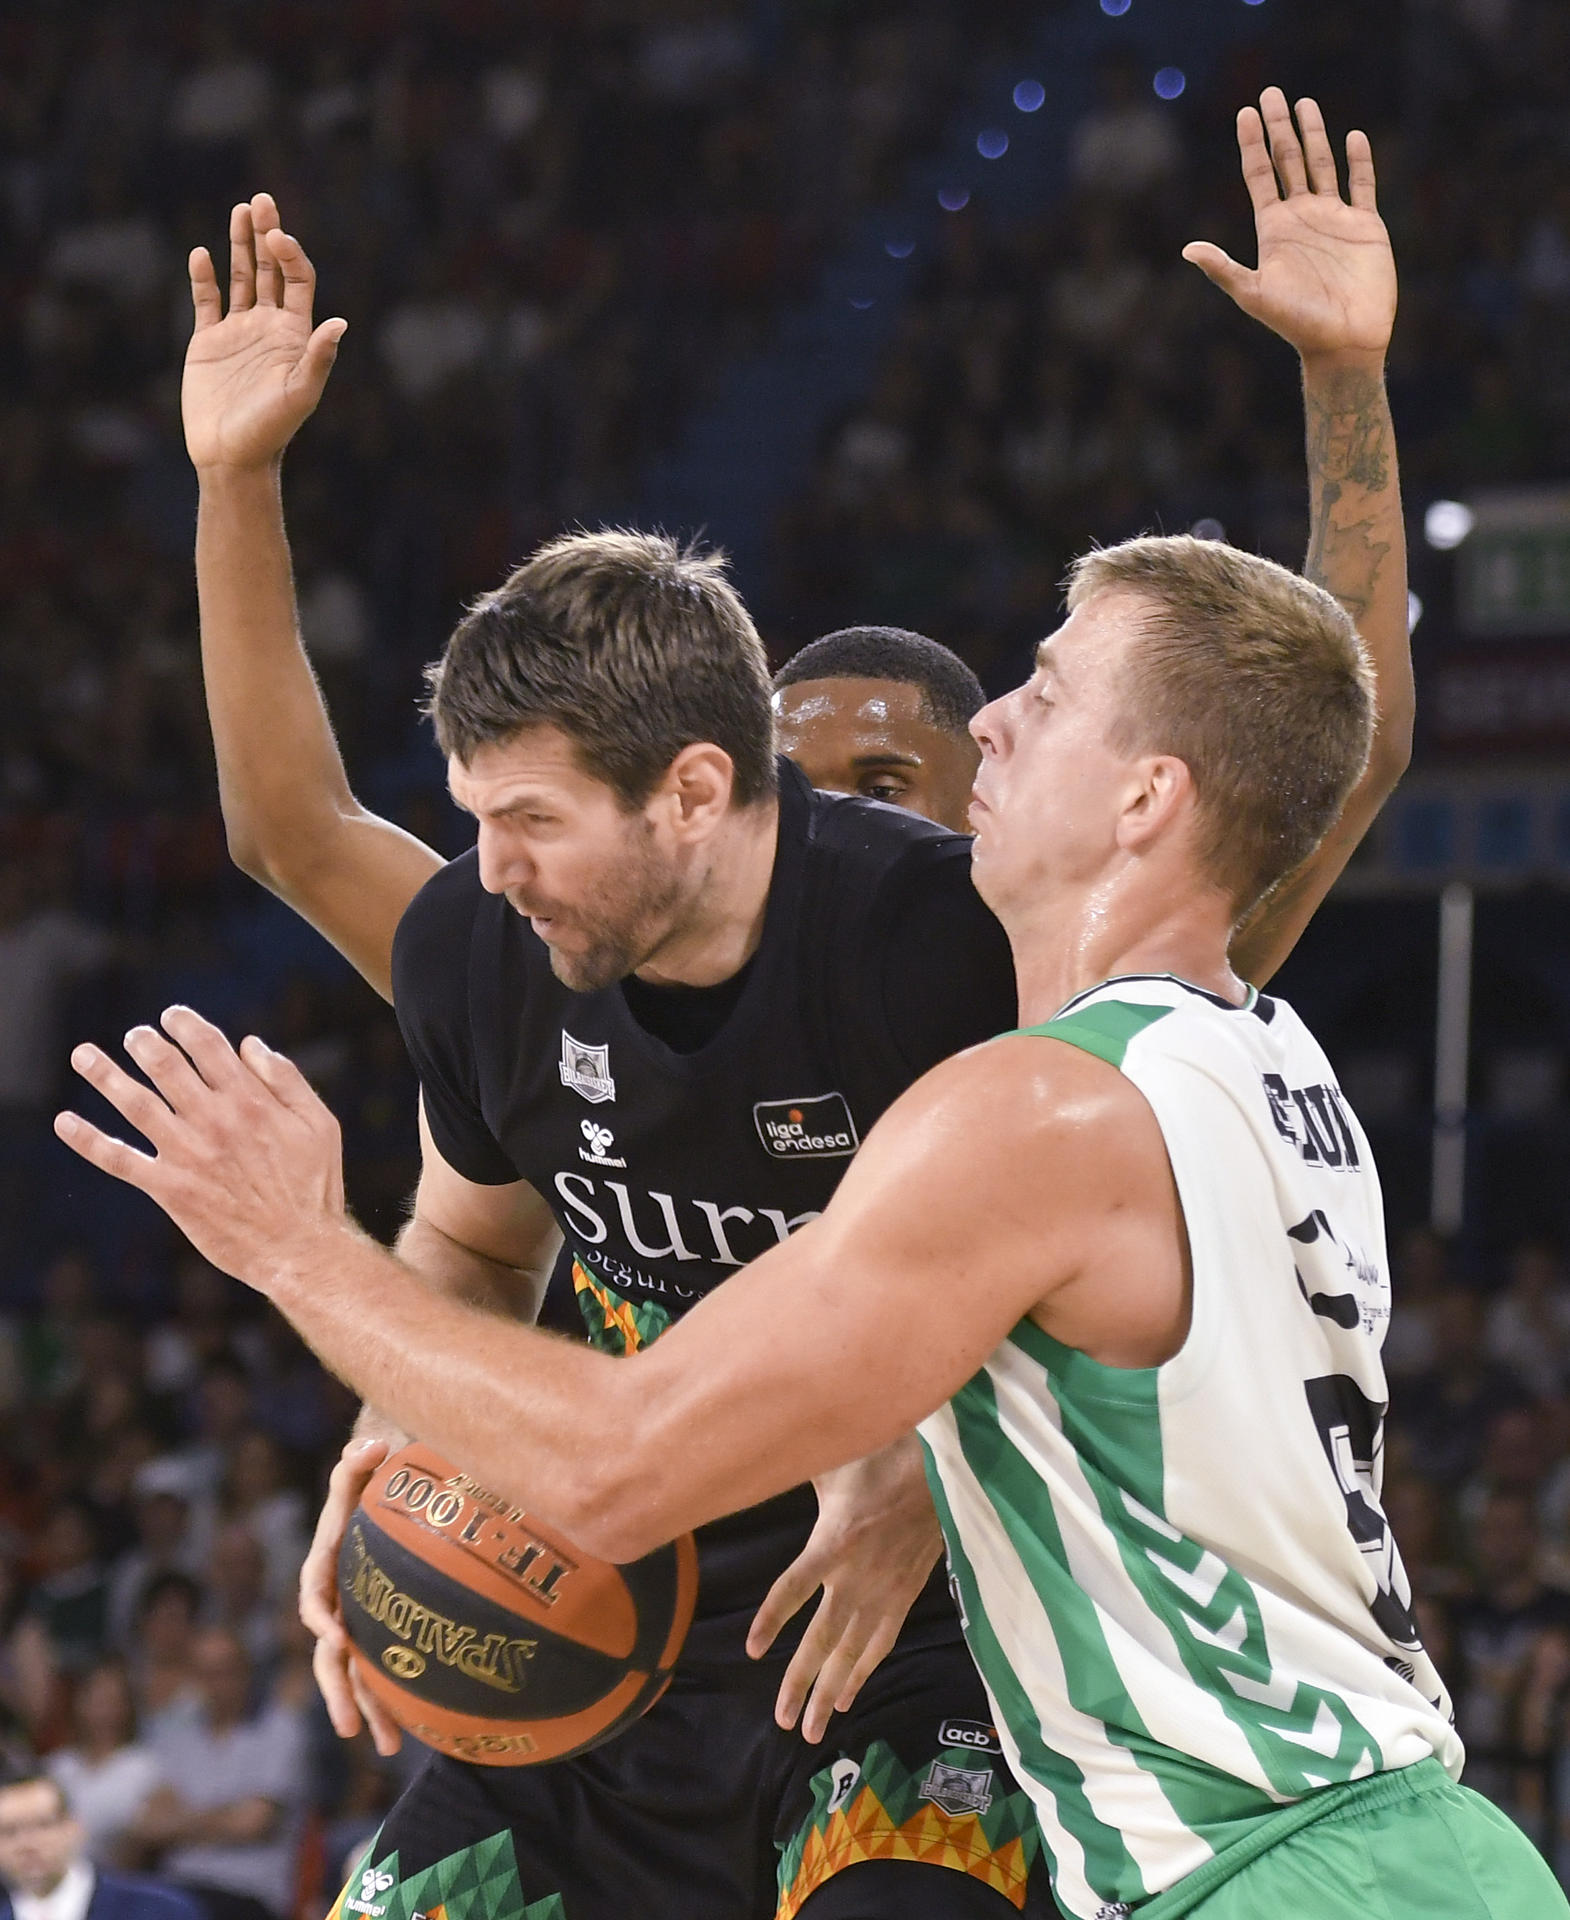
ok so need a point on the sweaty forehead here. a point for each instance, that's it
(863, 709)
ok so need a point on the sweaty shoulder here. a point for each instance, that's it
(1056, 1161)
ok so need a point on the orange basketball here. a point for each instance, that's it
(487, 1635)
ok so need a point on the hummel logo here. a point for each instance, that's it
(372, 1883)
(600, 1140)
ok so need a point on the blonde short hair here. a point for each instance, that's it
(1257, 680)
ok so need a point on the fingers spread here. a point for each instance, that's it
(1259, 176)
(785, 1599)
(216, 1061)
(1219, 267)
(321, 350)
(138, 1103)
(1284, 148)
(283, 1079)
(205, 297)
(833, 1675)
(1360, 172)
(1317, 150)
(242, 259)
(876, 1651)
(167, 1067)
(109, 1155)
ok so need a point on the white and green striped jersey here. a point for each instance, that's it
(1177, 1581)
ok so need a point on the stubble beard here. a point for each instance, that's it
(635, 907)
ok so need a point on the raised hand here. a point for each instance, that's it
(253, 376)
(247, 1160)
(1326, 279)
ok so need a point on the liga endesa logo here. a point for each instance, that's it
(820, 1128)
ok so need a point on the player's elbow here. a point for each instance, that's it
(247, 851)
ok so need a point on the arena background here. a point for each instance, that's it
(887, 298)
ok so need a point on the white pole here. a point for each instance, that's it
(1452, 1040)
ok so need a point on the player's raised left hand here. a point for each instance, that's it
(247, 1160)
(875, 1543)
(1326, 279)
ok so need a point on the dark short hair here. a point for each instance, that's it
(632, 644)
(950, 692)
(21, 1770)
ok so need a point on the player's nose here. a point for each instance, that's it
(503, 862)
(986, 726)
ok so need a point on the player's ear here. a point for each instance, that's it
(697, 788)
(1160, 790)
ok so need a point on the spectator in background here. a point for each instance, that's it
(106, 1775)
(160, 1651)
(44, 949)
(238, 1598)
(226, 1822)
(1421, 1275)
(44, 1869)
(1514, 1459)
(69, 1601)
(170, 1538)
(200, 1331)
(1511, 1633)
(273, 1515)
(1128, 145)
(1528, 1326)
(1447, 1410)
(222, 1408)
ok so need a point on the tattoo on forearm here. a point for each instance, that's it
(1349, 448)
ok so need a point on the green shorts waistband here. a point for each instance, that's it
(1357, 1796)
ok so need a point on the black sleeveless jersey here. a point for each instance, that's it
(668, 1170)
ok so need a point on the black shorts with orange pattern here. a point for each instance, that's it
(706, 1810)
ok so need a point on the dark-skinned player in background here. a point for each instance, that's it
(884, 713)
(1326, 284)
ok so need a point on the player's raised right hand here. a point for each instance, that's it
(349, 1706)
(253, 376)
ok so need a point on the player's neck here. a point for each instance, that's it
(719, 932)
(1064, 946)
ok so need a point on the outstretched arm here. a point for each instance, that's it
(1326, 282)
(252, 378)
(1006, 1174)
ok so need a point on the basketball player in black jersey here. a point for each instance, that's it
(884, 713)
(655, 1014)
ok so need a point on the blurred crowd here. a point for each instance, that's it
(161, 1480)
(1069, 377)
(549, 227)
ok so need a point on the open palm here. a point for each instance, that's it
(1326, 279)
(253, 376)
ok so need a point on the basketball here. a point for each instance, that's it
(489, 1637)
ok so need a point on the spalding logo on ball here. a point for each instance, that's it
(490, 1638)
